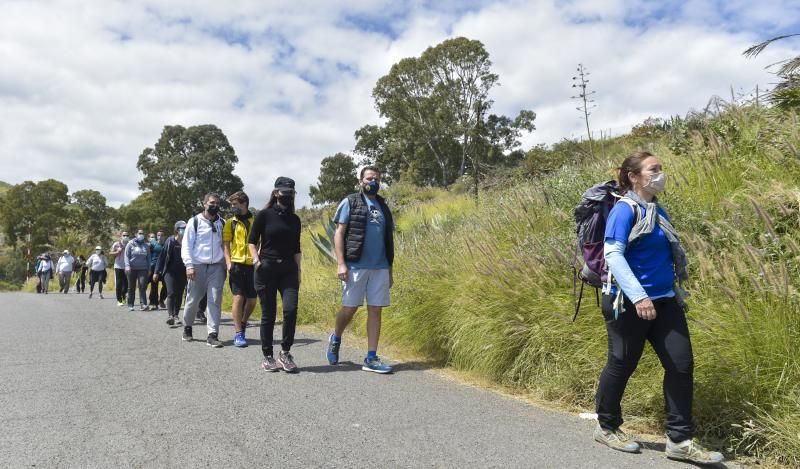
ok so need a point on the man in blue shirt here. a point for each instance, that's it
(364, 244)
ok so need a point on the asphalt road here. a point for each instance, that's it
(84, 383)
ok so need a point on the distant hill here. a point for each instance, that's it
(4, 186)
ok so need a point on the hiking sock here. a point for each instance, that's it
(335, 339)
(372, 354)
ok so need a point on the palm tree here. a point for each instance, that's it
(787, 93)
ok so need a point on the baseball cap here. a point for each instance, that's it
(284, 184)
(180, 224)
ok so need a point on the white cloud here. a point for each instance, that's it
(86, 86)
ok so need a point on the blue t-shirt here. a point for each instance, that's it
(374, 254)
(649, 257)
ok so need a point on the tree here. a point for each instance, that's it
(587, 103)
(34, 213)
(88, 214)
(437, 107)
(786, 94)
(146, 212)
(183, 166)
(337, 178)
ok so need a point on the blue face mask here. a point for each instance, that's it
(372, 187)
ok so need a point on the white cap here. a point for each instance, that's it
(98, 248)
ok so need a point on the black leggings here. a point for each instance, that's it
(668, 334)
(80, 283)
(176, 285)
(96, 277)
(273, 277)
(121, 282)
(156, 297)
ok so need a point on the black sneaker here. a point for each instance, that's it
(171, 321)
(213, 341)
(187, 334)
(162, 305)
(202, 318)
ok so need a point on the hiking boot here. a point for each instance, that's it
(287, 362)
(187, 334)
(171, 321)
(376, 365)
(615, 439)
(202, 318)
(213, 341)
(690, 450)
(269, 364)
(333, 351)
(238, 340)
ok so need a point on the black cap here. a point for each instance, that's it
(284, 184)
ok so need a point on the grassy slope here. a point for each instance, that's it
(488, 290)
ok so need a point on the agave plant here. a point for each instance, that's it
(324, 242)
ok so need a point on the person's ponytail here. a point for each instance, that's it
(631, 164)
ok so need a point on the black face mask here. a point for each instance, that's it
(286, 200)
(213, 209)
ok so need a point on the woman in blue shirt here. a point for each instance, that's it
(644, 257)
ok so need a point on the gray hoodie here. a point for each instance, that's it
(137, 255)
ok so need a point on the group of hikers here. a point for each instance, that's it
(260, 255)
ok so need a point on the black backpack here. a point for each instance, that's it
(590, 228)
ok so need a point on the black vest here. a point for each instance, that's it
(357, 228)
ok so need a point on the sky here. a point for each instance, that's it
(85, 86)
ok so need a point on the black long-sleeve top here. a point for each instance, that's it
(278, 233)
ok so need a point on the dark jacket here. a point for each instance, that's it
(357, 228)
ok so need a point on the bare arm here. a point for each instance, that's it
(338, 241)
(226, 249)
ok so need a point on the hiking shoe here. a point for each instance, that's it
(120, 303)
(376, 365)
(171, 321)
(615, 439)
(213, 341)
(691, 450)
(238, 340)
(202, 318)
(162, 305)
(101, 296)
(144, 307)
(187, 334)
(287, 362)
(333, 351)
(90, 295)
(269, 364)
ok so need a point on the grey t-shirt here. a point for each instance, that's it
(119, 261)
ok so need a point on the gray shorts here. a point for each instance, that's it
(370, 283)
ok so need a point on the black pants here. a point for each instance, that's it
(97, 277)
(175, 286)
(80, 283)
(669, 336)
(273, 277)
(121, 281)
(140, 276)
(155, 298)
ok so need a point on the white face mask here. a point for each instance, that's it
(656, 184)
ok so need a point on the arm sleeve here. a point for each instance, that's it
(342, 216)
(127, 255)
(299, 232)
(227, 231)
(257, 228)
(186, 245)
(614, 253)
(160, 264)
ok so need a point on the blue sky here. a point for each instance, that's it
(85, 87)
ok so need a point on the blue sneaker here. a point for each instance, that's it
(333, 351)
(376, 365)
(239, 340)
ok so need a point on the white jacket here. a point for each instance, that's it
(97, 262)
(203, 246)
(65, 264)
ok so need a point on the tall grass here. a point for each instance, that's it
(487, 288)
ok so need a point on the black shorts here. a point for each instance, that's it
(240, 279)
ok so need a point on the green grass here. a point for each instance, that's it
(487, 289)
